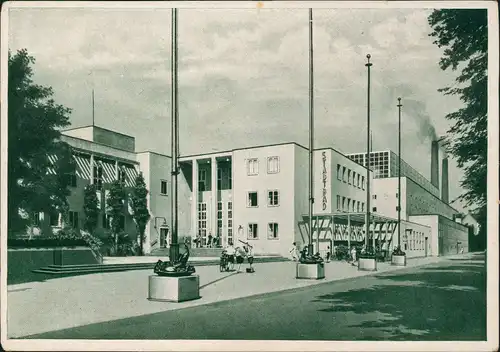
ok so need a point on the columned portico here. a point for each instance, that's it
(213, 214)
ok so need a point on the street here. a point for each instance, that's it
(441, 301)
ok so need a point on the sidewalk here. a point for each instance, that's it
(56, 304)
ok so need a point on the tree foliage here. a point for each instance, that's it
(140, 208)
(36, 182)
(90, 208)
(115, 208)
(463, 34)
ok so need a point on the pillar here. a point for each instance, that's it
(194, 200)
(373, 234)
(333, 233)
(348, 231)
(213, 213)
(91, 169)
(116, 169)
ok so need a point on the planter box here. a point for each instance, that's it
(310, 271)
(367, 264)
(399, 260)
(173, 289)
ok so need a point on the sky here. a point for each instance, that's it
(244, 75)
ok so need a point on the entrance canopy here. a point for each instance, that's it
(356, 219)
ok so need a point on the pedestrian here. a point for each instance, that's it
(240, 257)
(217, 241)
(230, 251)
(353, 254)
(249, 253)
(209, 240)
(293, 252)
(328, 254)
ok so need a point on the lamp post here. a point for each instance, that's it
(174, 247)
(399, 172)
(368, 65)
(311, 132)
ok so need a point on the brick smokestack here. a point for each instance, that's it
(445, 191)
(435, 164)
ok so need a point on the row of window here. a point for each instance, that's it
(350, 205)
(272, 231)
(224, 179)
(416, 241)
(74, 220)
(350, 177)
(273, 199)
(273, 165)
(98, 176)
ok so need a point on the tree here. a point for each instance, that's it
(463, 34)
(38, 162)
(115, 208)
(90, 203)
(140, 208)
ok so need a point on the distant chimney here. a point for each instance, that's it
(445, 195)
(435, 164)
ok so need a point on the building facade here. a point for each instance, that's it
(260, 195)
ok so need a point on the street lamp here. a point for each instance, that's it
(368, 65)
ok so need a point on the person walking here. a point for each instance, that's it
(249, 253)
(293, 252)
(230, 251)
(328, 254)
(209, 244)
(353, 255)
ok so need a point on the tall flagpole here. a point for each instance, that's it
(93, 108)
(311, 132)
(399, 172)
(368, 65)
(174, 246)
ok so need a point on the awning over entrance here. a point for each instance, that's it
(354, 218)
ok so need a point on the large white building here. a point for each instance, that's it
(260, 195)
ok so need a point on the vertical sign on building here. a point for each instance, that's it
(324, 175)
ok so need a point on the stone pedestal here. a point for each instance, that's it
(367, 264)
(173, 289)
(398, 260)
(310, 271)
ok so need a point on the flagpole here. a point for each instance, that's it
(367, 234)
(174, 246)
(311, 132)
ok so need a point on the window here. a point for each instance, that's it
(348, 204)
(230, 221)
(338, 173)
(219, 218)
(98, 177)
(338, 203)
(362, 182)
(164, 188)
(36, 219)
(122, 176)
(374, 209)
(72, 179)
(273, 165)
(54, 219)
(252, 199)
(354, 178)
(362, 207)
(105, 221)
(202, 179)
(73, 219)
(349, 176)
(358, 207)
(272, 231)
(353, 206)
(273, 198)
(219, 178)
(252, 167)
(343, 203)
(357, 182)
(252, 232)
(374, 196)
(202, 221)
(397, 195)
(343, 173)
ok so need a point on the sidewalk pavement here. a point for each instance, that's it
(38, 307)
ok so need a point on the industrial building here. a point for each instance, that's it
(260, 195)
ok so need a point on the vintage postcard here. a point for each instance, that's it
(247, 175)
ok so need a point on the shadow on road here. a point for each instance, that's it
(433, 303)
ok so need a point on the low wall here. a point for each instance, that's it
(21, 262)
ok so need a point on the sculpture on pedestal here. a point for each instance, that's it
(178, 268)
(306, 258)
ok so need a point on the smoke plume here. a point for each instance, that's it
(416, 109)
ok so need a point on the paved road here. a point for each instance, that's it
(444, 301)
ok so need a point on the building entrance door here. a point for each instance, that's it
(164, 240)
